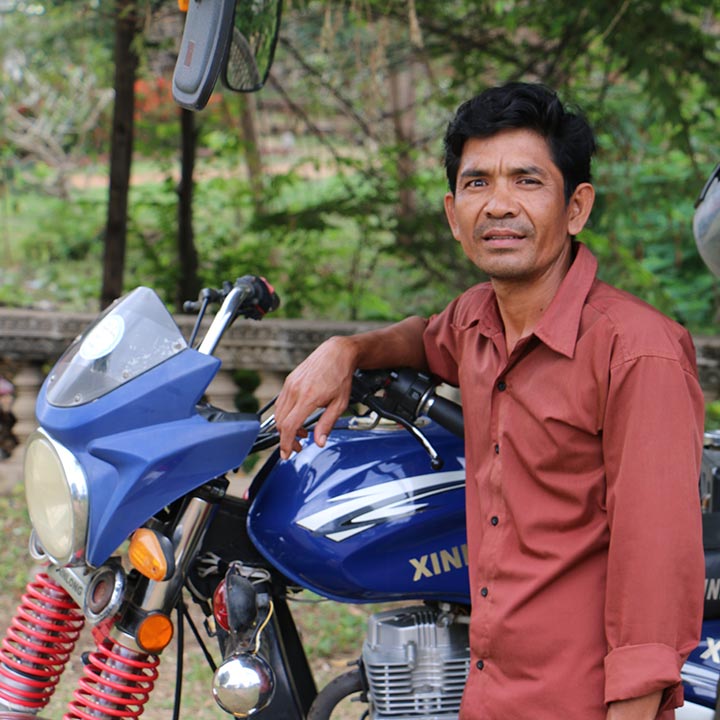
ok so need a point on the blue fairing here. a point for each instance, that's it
(143, 445)
(365, 519)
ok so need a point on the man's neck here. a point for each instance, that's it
(523, 302)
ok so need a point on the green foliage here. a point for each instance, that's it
(13, 553)
(247, 382)
(49, 244)
(54, 79)
(712, 416)
(152, 230)
(330, 629)
(350, 223)
(646, 188)
(651, 102)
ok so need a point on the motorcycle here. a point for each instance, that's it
(128, 451)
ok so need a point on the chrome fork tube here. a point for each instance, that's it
(186, 538)
(222, 320)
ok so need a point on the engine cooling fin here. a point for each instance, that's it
(416, 661)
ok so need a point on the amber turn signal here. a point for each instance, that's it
(183, 5)
(151, 554)
(154, 632)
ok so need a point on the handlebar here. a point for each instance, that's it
(249, 296)
(408, 395)
(446, 413)
(402, 395)
(259, 297)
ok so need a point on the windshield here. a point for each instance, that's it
(133, 335)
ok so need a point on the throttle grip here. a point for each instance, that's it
(446, 413)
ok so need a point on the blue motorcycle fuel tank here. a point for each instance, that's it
(366, 519)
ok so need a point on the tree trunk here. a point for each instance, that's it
(126, 63)
(402, 95)
(250, 139)
(188, 285)
(251, 143)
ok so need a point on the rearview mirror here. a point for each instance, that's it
(205, 41)
(235, 38)
(252, 44)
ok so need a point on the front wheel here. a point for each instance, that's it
(335, 692)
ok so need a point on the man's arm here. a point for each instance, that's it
(652, 443)
(324, 379)
(643, 708)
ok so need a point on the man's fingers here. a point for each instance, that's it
(289, 427)
(289, 437)
(327, 420)
(322, 380)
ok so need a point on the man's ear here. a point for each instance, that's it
(579, 207)
(450, 213)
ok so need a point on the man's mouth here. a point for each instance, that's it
(504, 236)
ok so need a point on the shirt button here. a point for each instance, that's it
(497, 449)
(494, 520)
(479, 664)
(502, 386)
(484, 592)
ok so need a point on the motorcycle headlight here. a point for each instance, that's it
(56, 492)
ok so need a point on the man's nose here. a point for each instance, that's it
(501, 203)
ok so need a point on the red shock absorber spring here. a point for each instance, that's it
(38, 644)
(117, 683)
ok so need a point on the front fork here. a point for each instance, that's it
(119, 676)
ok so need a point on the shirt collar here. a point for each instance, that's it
(559, 326)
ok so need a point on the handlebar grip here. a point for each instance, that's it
(261, 296)
(446, 413)
(274, 298)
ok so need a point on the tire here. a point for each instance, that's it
(333, 693)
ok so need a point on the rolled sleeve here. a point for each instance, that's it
(652, 447)
(660, 666)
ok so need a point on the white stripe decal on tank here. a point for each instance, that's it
(363, 509)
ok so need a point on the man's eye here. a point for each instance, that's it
(477, 182)
(529, 181)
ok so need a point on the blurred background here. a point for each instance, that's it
(329, 181)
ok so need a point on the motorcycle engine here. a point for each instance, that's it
(416, 661)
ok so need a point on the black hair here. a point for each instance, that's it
(527, 106)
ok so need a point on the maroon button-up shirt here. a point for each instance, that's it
(583, 457)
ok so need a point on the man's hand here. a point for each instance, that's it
(323, 380)
(643, 708)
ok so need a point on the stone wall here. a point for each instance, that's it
(31, 340)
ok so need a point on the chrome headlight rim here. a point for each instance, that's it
(76, 484)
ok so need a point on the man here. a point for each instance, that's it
(583, 424)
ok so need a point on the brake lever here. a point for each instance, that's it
(200, 306)
(436, 462)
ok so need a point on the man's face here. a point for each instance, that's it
(509, 210)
